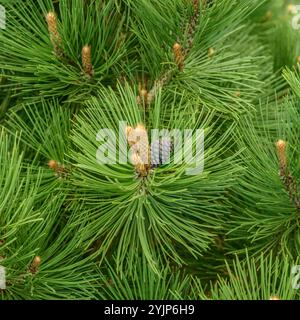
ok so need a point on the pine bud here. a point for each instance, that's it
(87, 61)
(53, 31)
(142, 143)
(281, 150)
(140, 130)
(59, 169)
(138, 140)
(140, 167)
(135, 159)
(52, 164)
(35, 264)
(52, 24)
(178, 55)
(129, 135)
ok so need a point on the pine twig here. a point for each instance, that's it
(163, 80)
(178, 52)
(192, 28)
(286, 177)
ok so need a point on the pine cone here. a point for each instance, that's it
(161, 151)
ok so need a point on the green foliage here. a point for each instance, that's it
(72, 227)
(154, 214)
(263, 207)
(45, 128)
(214, 79)
(27, 52)
(144, 284)
(265, 279)
(30, 220)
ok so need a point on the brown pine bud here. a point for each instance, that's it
(52, 164)
(36, 261)
(129, 135)
(135, 159)
(178, 55)
(142, 143)
(128, 130)
(87, 61)
(53, 32)
(52, 24)
(140, 130)
(35, 264)
(141, 168)
(138, 140)
(281, 150)
(59, 169)
(298, 59)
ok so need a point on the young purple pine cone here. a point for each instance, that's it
(161, 151)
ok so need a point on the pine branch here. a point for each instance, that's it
(143, 283)
(130, 205)
(45, 50)
(285, 176)
(269, 278)
(265, 203)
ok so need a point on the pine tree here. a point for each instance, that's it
(73, 226)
